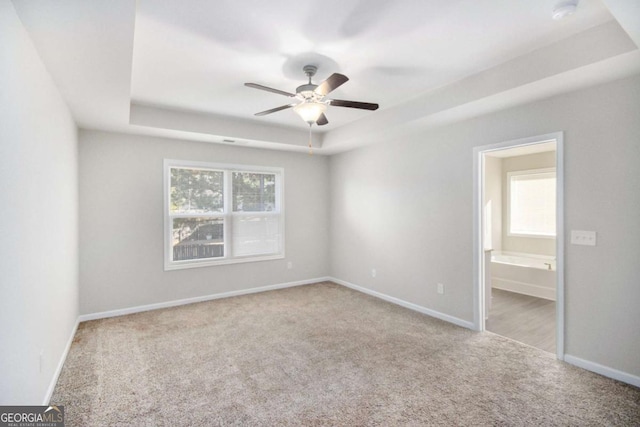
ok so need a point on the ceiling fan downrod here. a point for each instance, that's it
(306, 90)
(310, 71)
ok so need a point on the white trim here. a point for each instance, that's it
(523, 254)
(478, 270)
(63, 358)
(174, 303)
(478, 249)
(523, 288)
(406, 304)
(606, 371)
(531, 235)
(560, 246)
(181, 265)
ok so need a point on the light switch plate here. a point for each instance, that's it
(581, 237)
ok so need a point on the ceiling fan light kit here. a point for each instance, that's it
(310, 111)
(311, 108)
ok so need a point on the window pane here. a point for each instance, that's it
(254, 192)
(256, 235)
(196, 238)
(533, 204)
(196, 191)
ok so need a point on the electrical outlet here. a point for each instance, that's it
(373, 272)
(289, 265)
(440, 288)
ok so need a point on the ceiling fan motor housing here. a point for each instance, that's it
(306, 91)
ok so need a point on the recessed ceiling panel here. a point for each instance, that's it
(197, 55)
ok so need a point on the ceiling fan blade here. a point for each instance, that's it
(269, 89)
(273, 110)
(334, 81)
(322, 120)
(354, 104)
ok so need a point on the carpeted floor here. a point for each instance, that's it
(321, 355)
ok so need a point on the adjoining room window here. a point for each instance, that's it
(221, 214)
(532, 202)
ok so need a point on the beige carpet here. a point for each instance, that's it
(321, 355)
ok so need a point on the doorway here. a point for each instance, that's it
(518, 244)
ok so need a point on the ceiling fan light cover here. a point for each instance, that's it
(310, 111)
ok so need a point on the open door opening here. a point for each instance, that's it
(518, 245)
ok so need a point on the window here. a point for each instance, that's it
(532, 202)
(221, 214)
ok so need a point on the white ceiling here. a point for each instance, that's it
(171, 68)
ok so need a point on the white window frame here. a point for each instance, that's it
(526, 172)
(227, 214)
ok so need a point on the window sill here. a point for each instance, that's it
(210, 263)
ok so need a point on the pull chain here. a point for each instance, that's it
(310, 147)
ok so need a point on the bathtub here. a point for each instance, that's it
(527, 274)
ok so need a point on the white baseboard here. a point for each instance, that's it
(603, 370)
(406, 304)
(523, 288)
(174, 303)
(63, 357)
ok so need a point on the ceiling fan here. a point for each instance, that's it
(311, 99)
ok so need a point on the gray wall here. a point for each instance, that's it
(121, 222)
(405, 208)
(38, 219)
(531, 245)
